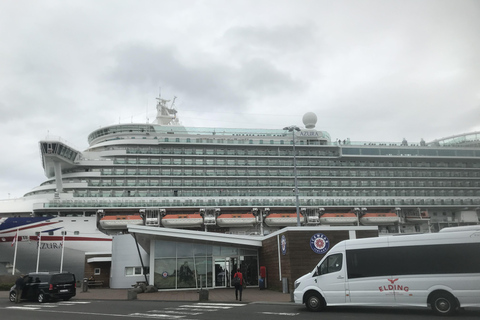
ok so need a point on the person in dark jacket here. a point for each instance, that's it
(19, 285)
(238, 286)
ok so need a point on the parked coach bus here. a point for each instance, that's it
(440, 270)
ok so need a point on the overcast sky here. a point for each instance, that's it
(370, 70)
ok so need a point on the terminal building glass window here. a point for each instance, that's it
(182, 265)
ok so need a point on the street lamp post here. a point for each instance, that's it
(293, 129)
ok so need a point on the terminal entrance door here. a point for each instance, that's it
(222, 272)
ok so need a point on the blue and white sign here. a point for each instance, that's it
(283, 243)
(165, 274)
(319, 243)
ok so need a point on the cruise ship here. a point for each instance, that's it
(241, 181)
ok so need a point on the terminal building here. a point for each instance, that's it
(173, 259)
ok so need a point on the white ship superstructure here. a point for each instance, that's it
(243, 180)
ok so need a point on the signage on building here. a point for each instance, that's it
(319, 243)
(283, 243)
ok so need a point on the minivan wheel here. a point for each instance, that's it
(41, 297)
(12, 296)
(443, 304)
(314, 302)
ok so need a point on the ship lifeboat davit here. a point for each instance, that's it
(120, 221)
(420, 217)
(338, 218)
(236, 220)
(282, 219)
(379, 219)
(182, 220)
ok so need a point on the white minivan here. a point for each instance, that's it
(437, 269)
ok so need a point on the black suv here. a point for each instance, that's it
(46, 286)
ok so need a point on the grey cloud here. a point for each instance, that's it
(214, 83)
(280, 39)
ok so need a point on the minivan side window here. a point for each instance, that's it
(333, 263)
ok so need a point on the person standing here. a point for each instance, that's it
(19, 284)
(239, 284)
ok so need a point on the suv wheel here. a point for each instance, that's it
(12, 296)
(41, 297)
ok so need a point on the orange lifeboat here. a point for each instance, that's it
(182, 220)
(377, 219)
(236, 220)
(282, 219)
(120, 221)
(338, 218)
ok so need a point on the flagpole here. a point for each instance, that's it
(15, 254)
(63, 250)
(39, 245)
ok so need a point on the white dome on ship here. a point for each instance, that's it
(309, 120)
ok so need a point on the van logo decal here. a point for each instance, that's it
(393, 287)
(319, 243)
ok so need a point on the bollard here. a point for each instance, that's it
(131, 295)
(203, 295)
(85, 285)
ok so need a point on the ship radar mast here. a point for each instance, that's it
(166, 116)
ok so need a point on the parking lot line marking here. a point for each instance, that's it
(41, 306)
(178, 312)
(205, 307)
(156, 315)
(189, 308)
(221, 304)
(281, 313)
(23, 308)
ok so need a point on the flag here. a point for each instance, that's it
(15, 239)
